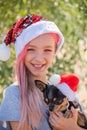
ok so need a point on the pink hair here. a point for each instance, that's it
(55, 36)
(31, 98)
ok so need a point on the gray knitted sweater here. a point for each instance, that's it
(10, 109)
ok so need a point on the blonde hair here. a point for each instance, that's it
(30, 98)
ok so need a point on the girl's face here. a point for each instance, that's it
(40, 53)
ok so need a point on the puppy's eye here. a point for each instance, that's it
(54, 99)
(46, 100)
(60, 101)
(57, 102)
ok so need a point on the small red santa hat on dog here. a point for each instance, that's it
(25, 30)
(66, 83)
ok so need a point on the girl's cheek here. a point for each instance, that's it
(48, 54)
(30, 54)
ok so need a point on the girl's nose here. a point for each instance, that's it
(39, 57)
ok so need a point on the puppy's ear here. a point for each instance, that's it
(41, 85)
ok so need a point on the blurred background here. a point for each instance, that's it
(71, 18)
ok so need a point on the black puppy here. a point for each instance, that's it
(57, 101)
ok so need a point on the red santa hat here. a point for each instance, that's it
(25, 30)
(66, 83)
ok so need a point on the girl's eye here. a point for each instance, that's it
(30, 49)
(47, 50)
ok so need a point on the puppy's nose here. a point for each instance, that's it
(51, 108)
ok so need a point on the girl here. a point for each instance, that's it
(36, 42)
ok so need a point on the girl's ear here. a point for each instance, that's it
(41, 85)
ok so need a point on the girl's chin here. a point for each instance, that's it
(38, 75)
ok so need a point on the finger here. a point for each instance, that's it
(75, 113)
(54, 117)
(51, 112)
(59, 114)
(52, 121)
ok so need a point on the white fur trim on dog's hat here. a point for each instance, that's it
(65, 89)
(66, 83)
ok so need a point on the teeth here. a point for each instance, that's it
(38, 65)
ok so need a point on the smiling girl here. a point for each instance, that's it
(36, 42)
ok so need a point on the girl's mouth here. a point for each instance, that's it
(38, 66)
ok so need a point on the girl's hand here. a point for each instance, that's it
(58, 121)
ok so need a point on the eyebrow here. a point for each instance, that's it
(31, 46)
(47, 46)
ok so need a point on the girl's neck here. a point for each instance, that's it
(32, 78)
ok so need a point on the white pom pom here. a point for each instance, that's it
(55, 79)
(4, 52)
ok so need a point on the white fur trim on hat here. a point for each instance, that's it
(55, 79)
(34, 31)
(4, 52)
(65, 89)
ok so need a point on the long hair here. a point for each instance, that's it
(30, 98)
